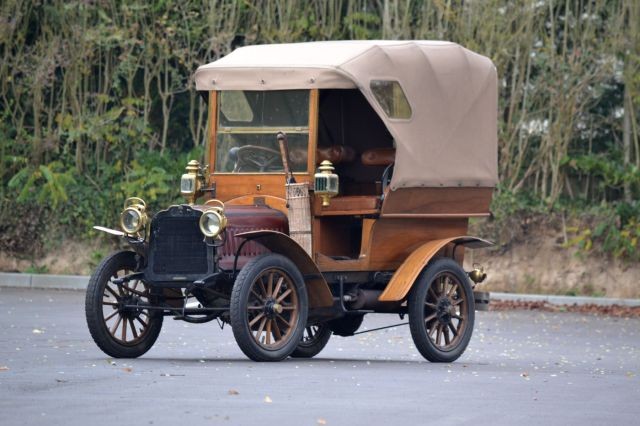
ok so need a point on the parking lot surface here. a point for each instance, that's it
(520, 368)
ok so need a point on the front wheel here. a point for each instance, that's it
(117, 325)
(441, 311)
(269, 308)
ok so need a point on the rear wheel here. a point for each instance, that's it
(314, 339)
(268, 308)
(117, 325)
(441, 311)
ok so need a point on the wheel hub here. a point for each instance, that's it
(444, 310)
(124, 306)
(272, 308)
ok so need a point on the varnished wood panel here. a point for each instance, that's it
(390, 241)
(439, 201)
(349, 205)
(229, 186)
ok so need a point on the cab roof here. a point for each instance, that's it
(450, 137)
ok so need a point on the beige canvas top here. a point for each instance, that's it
(450, 138)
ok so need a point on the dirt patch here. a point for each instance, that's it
(540, 264)
(69, 258)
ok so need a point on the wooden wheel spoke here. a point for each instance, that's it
(277, 335)
(136, 292)
(124, 330)
(457, 302)
(260, 328)
(429, 319)
(270, 285)
(433, 294)
(112, 291)
(430, 305)
(109, 303)
(268, 336)
(255, 307)
(458, 317)
(115, 326)
(453, 330)
(281, 318)
(284, 296)
(439, 334)
(111, 316)
(278, 286)
(141, 321)
(453, 287)
(256, 319)
(262, 288)
(447, 339)
(260, 298)
(133, 328)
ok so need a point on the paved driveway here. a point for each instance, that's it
(520, 368)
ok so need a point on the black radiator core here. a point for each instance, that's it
(177, 251)
(179, 248)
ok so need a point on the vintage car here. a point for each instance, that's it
(340, 181)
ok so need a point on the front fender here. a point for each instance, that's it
(404, 277)
(317, 287)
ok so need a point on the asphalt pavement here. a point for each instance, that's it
(520, 368)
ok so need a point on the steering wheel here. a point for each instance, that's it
(251, 158)
(386, 179)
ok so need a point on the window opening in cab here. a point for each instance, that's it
(391, 98)
(248, 122)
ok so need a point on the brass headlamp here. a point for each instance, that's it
(134, 216)
(193, 182)
(326, 182)
(213, 221)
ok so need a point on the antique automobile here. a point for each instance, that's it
(341, 178)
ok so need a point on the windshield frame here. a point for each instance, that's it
(215, 130)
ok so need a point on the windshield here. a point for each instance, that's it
(248, 122)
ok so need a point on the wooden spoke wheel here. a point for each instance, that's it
(268, 308)
(116, 315)
(441, 311)
(314, 339)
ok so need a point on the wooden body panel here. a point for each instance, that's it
(438, 201)
(386, 243)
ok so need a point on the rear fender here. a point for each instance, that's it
(317, 287)
(398, 288)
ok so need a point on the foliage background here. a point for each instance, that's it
(97, 102)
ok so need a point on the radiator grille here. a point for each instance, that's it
(178, 247)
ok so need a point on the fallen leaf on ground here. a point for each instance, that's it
(322, 421)
(267, 399)
(127, 369)
(233, 392)
(4, 368)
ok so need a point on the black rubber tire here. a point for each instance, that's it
(311, 348)
(239, 307)
(94, 312)
(346, 325)
(416, 305)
